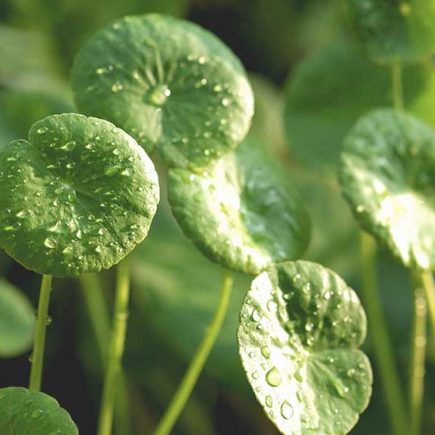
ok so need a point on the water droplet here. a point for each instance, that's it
(360, 209)
(225, 102)
(255, 375)
(116, 87)
(48, 321)
(273, 377)
(21, 214)
(159, 95)
(256, 317)
(265, 352)
(286, 410)
(269, 401)
(68, 146)
(309, 326)
(42, 130)
(111, 170)
(49, 243)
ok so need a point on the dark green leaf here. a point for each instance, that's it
(332, 88)
(16, 321)
(77, 197)
(167, 82)
(300, 329)
(24, 412)
(388, 176)
(242, 211)
(395, 30)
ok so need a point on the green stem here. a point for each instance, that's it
(418, 353)
(40, 333)
(380, 338)
(429, 290)
(97, 309)
(180, 398)
(99, 316)
(397, 85)
(116, 350)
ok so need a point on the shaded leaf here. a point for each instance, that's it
(395, 30)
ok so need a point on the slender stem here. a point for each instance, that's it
(99, 317)
(429, 290)
(397, 86)
(197, 363)
(40, 332)
(116, 350)
(389, 377)
(97, 309)
(418, 354)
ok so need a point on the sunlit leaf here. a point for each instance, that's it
(76, 197)
(388, 176)
(300, 329)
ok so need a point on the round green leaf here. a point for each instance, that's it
(76, 197)
(16, 321)
(24, 412)
(395, 30)
(346, 86)
(300, 329)
(388, 176)
(168, 83)
(242, 211)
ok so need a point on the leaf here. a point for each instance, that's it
(16, 321)
(176, 87)
(300, 329)
(242, 211)
(24, 412)
(346, 85)
(395, 30)
(77, 197)
(387, 175)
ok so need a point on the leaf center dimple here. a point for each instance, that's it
(158, 95)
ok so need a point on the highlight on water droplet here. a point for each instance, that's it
(273, 377)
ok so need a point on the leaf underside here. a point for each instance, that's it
(300, 329)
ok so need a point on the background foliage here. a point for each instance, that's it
(175, 288)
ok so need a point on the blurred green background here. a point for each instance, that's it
(175, 289)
